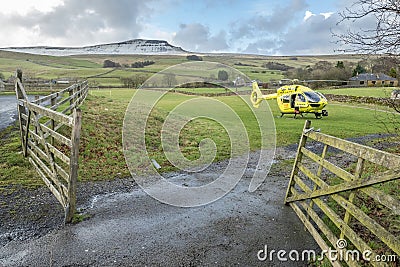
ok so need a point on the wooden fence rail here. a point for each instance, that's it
(336, 203)
(50, 131)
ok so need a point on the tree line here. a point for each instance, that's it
(134, 81)
(138, 64)
(341, 70)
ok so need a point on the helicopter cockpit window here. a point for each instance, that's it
(285, 99)
(312, 97)
(300, 98)
(321, 95)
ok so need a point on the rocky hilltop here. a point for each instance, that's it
(136, 46)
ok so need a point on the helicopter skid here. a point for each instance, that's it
(318, 115)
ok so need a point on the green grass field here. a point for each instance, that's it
(103, 112)
(362, 91)
(342, 122)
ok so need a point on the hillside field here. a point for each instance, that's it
(91, 66)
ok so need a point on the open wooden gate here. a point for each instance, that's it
(50, 131)
(334, 202)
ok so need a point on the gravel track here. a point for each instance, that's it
(126, 227)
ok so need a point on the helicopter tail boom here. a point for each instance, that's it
(257, 96)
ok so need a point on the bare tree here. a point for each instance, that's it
(383, 37)
(169, 80)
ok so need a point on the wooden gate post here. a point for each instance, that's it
(299, 156)
(23, 117)
(75, 137)
(52, 122)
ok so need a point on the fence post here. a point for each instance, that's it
(52, 123)
(299, 156)
(79, 91)
(22, 113)
(75, 137)
(71, 92)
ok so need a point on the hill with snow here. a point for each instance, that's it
(137, 47)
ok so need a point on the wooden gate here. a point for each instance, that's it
(50, 131)
(336, 203)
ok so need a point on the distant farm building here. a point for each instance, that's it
(369, 79)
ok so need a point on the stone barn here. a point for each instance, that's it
(370, 79)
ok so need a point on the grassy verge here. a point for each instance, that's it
(101, 155)
(14, 168)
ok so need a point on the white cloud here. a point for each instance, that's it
(74, 23)
(327, 14)
(198, 38)
(311, 36)
(152, 32)
(262, 47)
(275, 21)
(23, 7)
(308, 15)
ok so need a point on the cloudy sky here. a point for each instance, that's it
(269, 27)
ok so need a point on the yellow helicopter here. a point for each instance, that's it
(293, 99)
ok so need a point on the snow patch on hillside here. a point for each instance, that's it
(137, 46)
